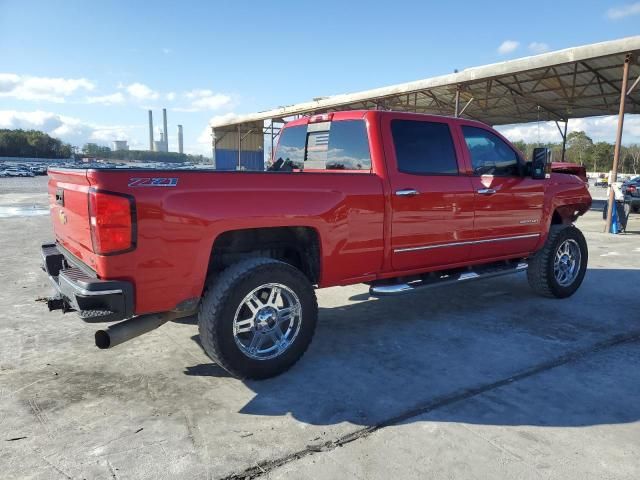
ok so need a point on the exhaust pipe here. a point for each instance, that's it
(134, 327)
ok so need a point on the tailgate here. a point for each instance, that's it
(69, 203)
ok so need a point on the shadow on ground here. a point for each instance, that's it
(378, 359)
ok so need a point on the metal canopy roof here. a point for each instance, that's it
(572, 83)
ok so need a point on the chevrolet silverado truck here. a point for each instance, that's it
(398, 201)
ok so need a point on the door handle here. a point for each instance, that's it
(407, 192)
(486, 191)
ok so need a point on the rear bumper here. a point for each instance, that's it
(93, 299)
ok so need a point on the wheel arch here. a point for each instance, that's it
(299, 246)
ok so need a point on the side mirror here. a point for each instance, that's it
(540, 163)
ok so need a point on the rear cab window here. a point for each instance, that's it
(339, 145)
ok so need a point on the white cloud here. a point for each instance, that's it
(538, 47)
(212, 102)
(198, 93)
(204, 99)
(508, 46)
(623, 11)
(69, 129)
(113, 99)
(204, 139)
(140, 91)
(25, 87)
(203, 142)
(598, 128)
(171, 96)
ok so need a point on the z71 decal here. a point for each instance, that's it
(153, 182)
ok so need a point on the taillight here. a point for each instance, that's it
(631, 188)
(112, 221)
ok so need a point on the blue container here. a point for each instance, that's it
(249, 160)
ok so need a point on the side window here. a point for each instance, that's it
(424, 147)
(340, 145)
(490, 155)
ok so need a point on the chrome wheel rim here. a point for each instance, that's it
(566, 264)
(267, 321)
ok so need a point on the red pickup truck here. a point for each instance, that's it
(399, 201)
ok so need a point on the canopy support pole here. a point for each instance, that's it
(563, 134)
(465, 106)
(457, 109)
(616, 151)
(239, 149)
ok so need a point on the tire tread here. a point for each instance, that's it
(539, 272)
(216, 294)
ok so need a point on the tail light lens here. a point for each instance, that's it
(112, 218)
(632, 188)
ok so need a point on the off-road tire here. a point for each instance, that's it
(540, 272)
(224, 293)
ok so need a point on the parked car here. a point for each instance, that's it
(631, 190)
(38, 169)
(397, 200)
(601, 181)
(17, 172)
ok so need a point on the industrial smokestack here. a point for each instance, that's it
(164, 123)
(180, 139)
(150, 131)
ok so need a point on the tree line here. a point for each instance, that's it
(32, 143)
(94, 150)
(595, 156)
(37, 144)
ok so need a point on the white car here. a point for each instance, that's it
(17, 172)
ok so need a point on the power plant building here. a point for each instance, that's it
(119, 145)
(162, 145)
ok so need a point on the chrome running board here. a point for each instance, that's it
(448, 277)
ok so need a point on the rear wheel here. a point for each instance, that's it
(257, 317)
(557, 270)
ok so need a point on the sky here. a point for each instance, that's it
(88, 71)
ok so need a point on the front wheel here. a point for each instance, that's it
(257, 318)
(557, 270)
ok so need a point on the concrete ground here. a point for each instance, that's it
(483, 380)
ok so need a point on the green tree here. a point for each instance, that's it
(632, 154)
(32, 143)
(602, 157)
(95, 150)
(579, 145)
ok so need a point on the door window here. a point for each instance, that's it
(424, 148)
(490, 155)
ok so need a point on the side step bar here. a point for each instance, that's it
(447, 278)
